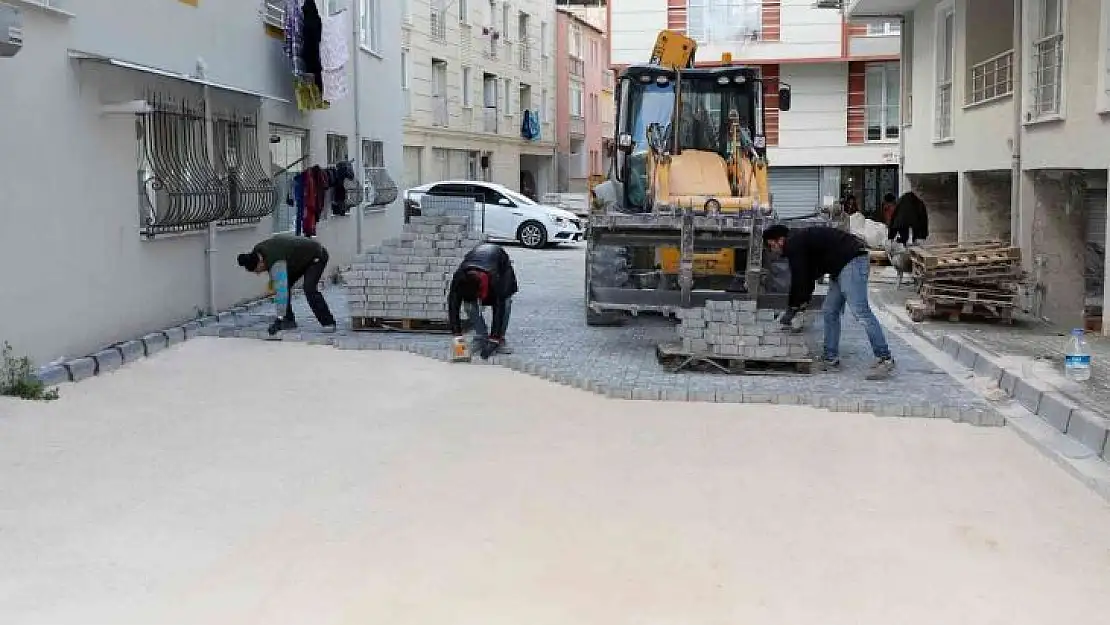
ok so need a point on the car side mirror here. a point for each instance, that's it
(504, 202)
(784, 98)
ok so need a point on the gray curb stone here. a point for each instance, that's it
(81, 368)
(1089, 429)
(1028, 393)
(108, 360)
(1057, 409)
(175, 335)
(53, 375)
(190, 329)
(131, 350)
(154, 343)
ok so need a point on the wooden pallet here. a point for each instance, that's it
(1007, 271)
(967, 257)
(971, 294)
(385, 324)
(674, 359)
(879, 257)
(920, 310)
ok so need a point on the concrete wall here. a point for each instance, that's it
(1057, 243)
(940, 192)
(984, 209)
(562, 77)
(80, 276)
(991, 21)
(633, 25)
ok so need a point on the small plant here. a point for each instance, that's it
(17, 378)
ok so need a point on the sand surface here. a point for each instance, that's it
(244, 482)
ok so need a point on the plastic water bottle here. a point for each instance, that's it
(1077, 358)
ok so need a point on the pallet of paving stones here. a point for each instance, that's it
(675, 359)
(383, 324)
(920, 310)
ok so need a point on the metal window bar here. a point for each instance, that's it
(273, 13)
(438, 23)
(179, 191)
(943, 111)
(1047, 72)
(992, 78)
(338, 151)
(252, 194)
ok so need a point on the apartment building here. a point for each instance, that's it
(479, 92)
(145, 143)
(582, 62)
(982, 103)
(842, 134)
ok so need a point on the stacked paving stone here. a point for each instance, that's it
(736, 329)
(408, 277)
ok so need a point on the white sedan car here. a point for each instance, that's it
(507, 215)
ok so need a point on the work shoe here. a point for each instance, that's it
(281, 324)
(830, 365)
(504, 348)
(882, 369)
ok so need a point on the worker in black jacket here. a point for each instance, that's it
(819, 250)
(485, 278)
(910, 221)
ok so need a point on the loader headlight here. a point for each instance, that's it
(713, 206)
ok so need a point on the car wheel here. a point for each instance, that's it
(532, 234)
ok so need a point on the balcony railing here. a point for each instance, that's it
(489, 119)
(577, 125)
(439, 111)
(992, 78)
(577, 67)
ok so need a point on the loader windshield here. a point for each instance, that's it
(704, 114)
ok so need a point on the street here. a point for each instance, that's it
(238, 481)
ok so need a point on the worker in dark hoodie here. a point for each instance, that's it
(289, 258)
(484, 278)
(819, 250)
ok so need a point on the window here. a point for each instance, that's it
(505, 11)
(489, 91)
(439, 93)
(438, 22)
(466, 100)
(508, 108)
(882, 93)
(525, 97)
(405, 82)
(723, 21)
(945, 37)
(541, 110)
(337, 149)
(1048, 59)
(273, 14)
(576, 99)
(370, 25)
(576, 41)
(543, 39)
(464, 12)
(884, 28)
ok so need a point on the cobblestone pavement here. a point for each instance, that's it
(550, 339)
(1038, 342)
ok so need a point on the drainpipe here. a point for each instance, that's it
(359, 170)
(210, 249)
(1015, 143)
(905, 86)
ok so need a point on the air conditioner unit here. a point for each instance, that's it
(11, 30)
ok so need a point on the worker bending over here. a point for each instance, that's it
(288, 258)
(819, 250)
(485, 278)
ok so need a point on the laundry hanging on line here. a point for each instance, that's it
(310, 191)
(318, 52)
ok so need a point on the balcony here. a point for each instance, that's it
(875, 37)
(577, 126)
(991, 79)
(855, 8)
(439, 111)
(489, 119)
(577, 67)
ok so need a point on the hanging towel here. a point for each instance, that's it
(334, 52)
(310, 52)
(294, 35)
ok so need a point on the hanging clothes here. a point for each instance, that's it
(336, 177)
(298, 201)
(308, 95)
(310, 52)
(294, 36)
(334, 55)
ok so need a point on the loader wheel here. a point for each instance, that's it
(607, 319)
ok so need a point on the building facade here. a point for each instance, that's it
(141, 160)
(475, 71)
(582, 63)
(841, 134)
(999, 91)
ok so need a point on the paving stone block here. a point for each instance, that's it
(1056, 410)
(80, 368)
(648, 394)
(730, 397)
(175, 336)
(1028, 394)
(131, 350)
(154, 343)
(1089, 429)
(108, 360)
(675, 394)
(52, 375)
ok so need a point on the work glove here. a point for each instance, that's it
(489, 348)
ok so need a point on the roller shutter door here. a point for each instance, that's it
(795, 191)
(1094, 201)
(411, 176)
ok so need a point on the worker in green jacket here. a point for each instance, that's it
(289, 258)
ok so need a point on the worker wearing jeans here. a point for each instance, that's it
(813, 252)
(481, 331)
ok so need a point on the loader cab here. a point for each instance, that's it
(694, 115)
